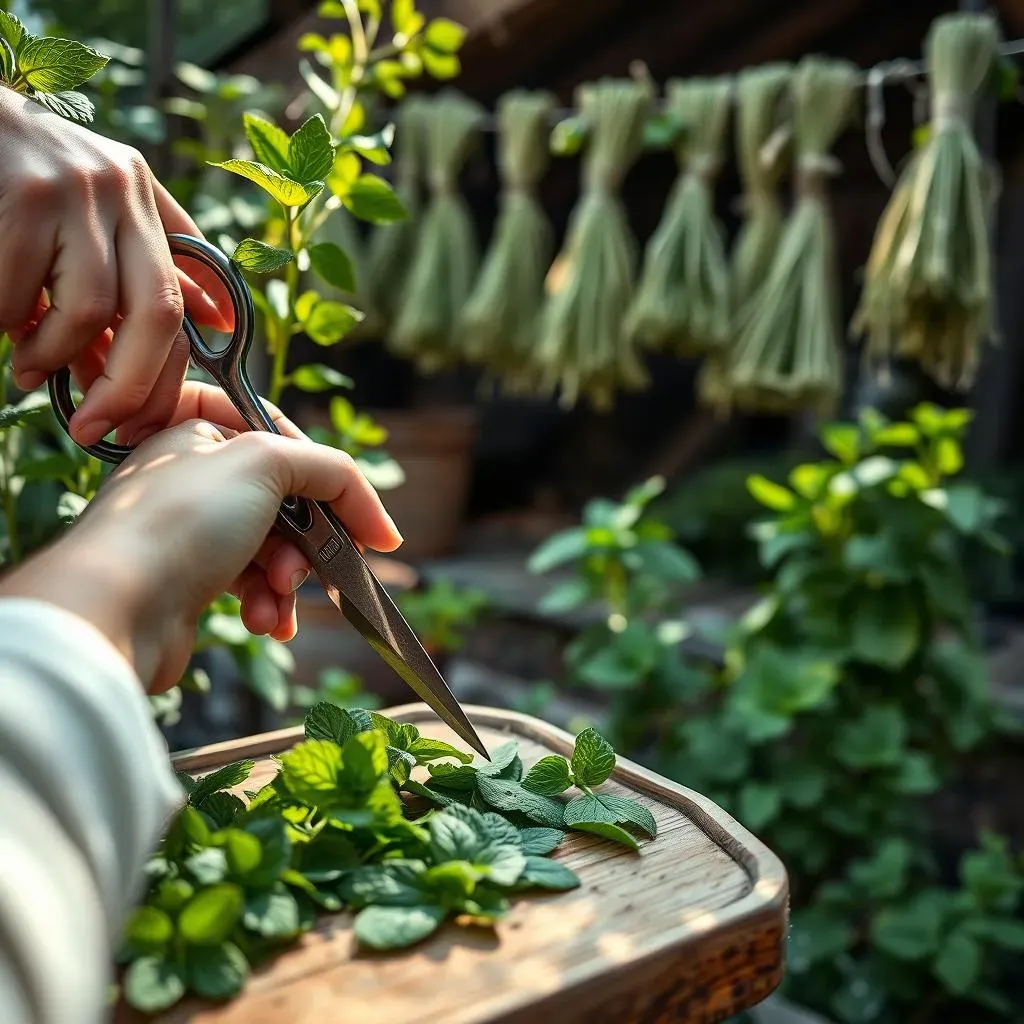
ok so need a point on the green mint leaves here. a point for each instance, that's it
(344, 825)
(48, 69)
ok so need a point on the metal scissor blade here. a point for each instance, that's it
(368, 607)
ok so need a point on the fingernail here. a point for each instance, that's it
(298, 578)
(91, 432)
(29, 380)
(395, 530)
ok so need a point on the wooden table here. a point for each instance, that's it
(692, 928)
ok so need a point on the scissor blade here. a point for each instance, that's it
(369, 608)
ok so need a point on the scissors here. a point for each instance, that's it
(310, 525)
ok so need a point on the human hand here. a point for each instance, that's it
(186, 518)
(83, 217)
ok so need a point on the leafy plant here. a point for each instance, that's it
(441, 612)
(626, 564)
(233, 881)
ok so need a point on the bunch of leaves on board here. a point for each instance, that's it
(233, 881)
(630, 571)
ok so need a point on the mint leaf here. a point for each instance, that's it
(958, 964)
(364, 763)
(315, 377)
(540, 841)
(49, 64)
(396, 927)
(332, 263)
(444, 35)
(310, 771)
(274, 915)
(284, 190)
(615, 810)
(593, 759)
(217, 972)
(149, 929)
(453, 839)
(606, 830)
(259, 257)
(372, 199)
(208, 866)
(549, 776)
(326, 721)
(375, 148)
(501, 864)
(269, 143)
(418, 789)
(501, 759)
(12, 30)
(425, 749)
(209, 917)
(222, 808)
(510, 796)
(395, 884)
(228, 777)
(544, 873)
(310, 152)
(327, 857)
(453, 776)
(242, 850)
(153, 984)
(330, 322)
(75, 106)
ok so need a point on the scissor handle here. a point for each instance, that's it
(226, 367)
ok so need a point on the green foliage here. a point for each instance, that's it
(441, 612)
(341, 826)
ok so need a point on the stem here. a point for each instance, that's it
(6, 455)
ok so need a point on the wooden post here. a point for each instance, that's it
(163, 24)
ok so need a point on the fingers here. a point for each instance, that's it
(201, 401)
(263, 611)
(26, 252)
(162, 404)
(83, 302)
(316, 471)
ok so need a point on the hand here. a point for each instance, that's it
(83, 217)
(186, 518)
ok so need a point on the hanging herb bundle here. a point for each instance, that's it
(682, 300)
(390, 251)
(583, 348)
(928, 289)
(500, 321)
(761, 135)
(787, 350)
(446, 258)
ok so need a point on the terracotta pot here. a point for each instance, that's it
(434, 447)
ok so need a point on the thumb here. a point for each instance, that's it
(298, 466)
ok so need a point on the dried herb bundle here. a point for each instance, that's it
(500, 321)
(682, 300)
(391, 248)
(583, 349)
(787, 350)
(928, 289)
(760, 136)
(447, 255)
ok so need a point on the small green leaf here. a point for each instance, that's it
(441, 66)
(326, 721)
(885, 627)
(227, 777)
(210, 916)
(1005, 934)
(315, 377)
(843, 441)
(771, 495)
(593, 759)
(75, 106)
(332, 264)
(310, 770)
(208, 866)
(425, 749)
(259, 257)
(149, 929)
(242, 851)
(217, 972)
(872, 740)
(269, 143)
(541, 872)
(405, 19)
(274, 915)
(284, 190)
(566, 546)
(537, 842)
(372, 199)
(330, 322)
(310, 152)
(568, 136)
(49, 64)
(501, 759)
(897, 435)
(958, 964)
(506, 795)
(565, 597)
(364, 762)
(908, 932)
(153, 984)
(396, 927)
(949, 456)
(12, 30)
(759, 805)
(375, 148)
(606, 830)
(549, 776)
(444, 35)
(614, 810)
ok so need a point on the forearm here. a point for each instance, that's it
(86, 789)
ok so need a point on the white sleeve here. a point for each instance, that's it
(86, 789)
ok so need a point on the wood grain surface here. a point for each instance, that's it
(692, 928)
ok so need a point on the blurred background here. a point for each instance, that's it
(803, 599)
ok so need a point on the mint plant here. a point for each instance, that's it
(441, 613)
(340, 827)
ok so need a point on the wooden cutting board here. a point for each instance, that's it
(692, 928)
